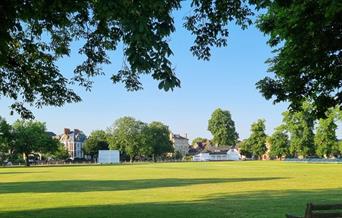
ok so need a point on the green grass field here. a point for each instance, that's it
(208, 189)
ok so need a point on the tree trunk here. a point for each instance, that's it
(131, 159)
(154, 158)
(27, 159)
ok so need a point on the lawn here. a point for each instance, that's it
(208, 189)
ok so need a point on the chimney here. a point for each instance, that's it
(66, 131)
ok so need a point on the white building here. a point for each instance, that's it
(180, 143)
(73, 141)
(217, 155)
(201, 157)
(233, 154)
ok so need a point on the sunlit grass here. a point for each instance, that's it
(208, 189)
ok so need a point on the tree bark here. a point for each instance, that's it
(27, 159)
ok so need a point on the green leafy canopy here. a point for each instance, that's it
(307, 62)
(257, 139)
(31, 136)
(97, 140)
(222, 127)
(300, 125)
(136, 138)
(36, 34)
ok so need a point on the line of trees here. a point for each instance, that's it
(300, 135)
(134, 138)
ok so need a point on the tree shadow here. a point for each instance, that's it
(249, 204)
(114, 185)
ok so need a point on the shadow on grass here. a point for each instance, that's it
(113, 185)
(26, 172)
(251, 204)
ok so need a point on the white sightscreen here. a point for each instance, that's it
(109, 156)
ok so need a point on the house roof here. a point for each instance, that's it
(51, 134)
(77, 136)
(211, 150)
(217, 152)
(177, 136)
(217, 149)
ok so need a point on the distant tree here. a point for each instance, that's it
(31, 136)
(127, 135)
(257, 139)
(300, 125)
(5, 139)
(222, 127)
(279, 142)
(5, 131)
(245, 148)
(325, 139)
(178, 155)
(198, 140)
(157, 141)
(97, 140)
(61, 153)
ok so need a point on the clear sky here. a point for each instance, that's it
(226, 81)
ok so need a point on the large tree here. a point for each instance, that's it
(300, 125)
(31, 136)
(257, 139)
(307, 62)
(36, 34)
(97, 140)
(326, 142)
(128, 135)
(222, 127)
(157, 140)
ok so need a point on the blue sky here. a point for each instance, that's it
(226, 81)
